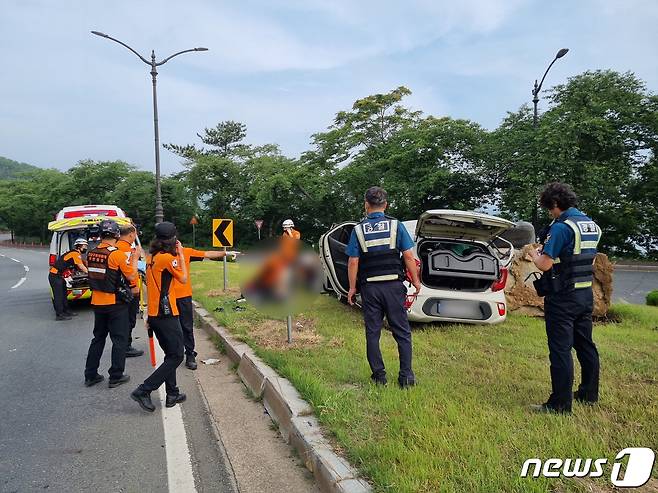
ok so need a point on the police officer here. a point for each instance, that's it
(67, 262)
(379, 249)
(566, 261)
(127, 245)
(109, 278)
(165, 264)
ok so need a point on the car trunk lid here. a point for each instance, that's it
(460, 225)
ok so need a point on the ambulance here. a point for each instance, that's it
(81, 221)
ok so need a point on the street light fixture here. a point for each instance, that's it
(537, 88)
(159, 214)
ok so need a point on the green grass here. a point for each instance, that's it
(466, 426)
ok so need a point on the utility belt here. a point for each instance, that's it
(551, 283)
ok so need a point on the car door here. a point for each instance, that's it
(333, 257)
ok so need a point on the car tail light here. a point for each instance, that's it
(501, 281)
(51, 259)
(501, 309)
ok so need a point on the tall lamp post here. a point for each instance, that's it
(537, 88)
(535, 118)
(159, 214)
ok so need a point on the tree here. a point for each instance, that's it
(599, 135)
(224, 141)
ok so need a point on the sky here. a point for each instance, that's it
(285, 68)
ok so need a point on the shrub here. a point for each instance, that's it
(652, 298)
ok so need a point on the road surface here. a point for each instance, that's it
(58, 435)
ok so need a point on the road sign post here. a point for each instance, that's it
(222, 236)
(194, 221)
(259, 224)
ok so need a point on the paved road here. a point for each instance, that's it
(57, 434)
(633, 286)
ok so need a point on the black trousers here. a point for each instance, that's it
(186, 318)
(133, 310)
(569, 325)
(58, 285)
(112, 320)
(386, 298)
(170, 338)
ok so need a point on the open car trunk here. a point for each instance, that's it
(457, 265)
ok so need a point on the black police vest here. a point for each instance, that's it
(380, 258)
(575, 269)
(101, 277)
(61, 265)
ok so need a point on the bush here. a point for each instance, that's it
(652, 298)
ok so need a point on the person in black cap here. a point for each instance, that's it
(165, 264)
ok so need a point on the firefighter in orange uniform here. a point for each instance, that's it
(165, 264)
(125, 244)
(184, 300)
(109, 279)
(69, 261)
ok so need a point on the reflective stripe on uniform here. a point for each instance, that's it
(580, 285)
(97, 269)
(577, 241)
(378, 242)
(394, 233)
(388, 277)
(359, 236)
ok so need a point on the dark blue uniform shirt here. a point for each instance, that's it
(561, 237)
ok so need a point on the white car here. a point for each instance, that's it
(463, 265)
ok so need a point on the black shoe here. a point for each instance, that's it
(63, 317)
(405, 383)
(143, 398)
(119, 381)
(379, 380)
(190, 362)
(583, 400)
(174, 399)
(546, 408)
(70, 314)
(132, 352)
(94, 380)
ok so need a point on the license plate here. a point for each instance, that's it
(77, 291)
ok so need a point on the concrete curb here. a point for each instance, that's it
(293, 415)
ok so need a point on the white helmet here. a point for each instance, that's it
(288, 223)
(80, 241)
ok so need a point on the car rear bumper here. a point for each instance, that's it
(471, 308)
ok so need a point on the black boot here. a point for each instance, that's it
(115, 382)
(173, 399)
(190, 361)
(132, 352)
(94, 380)
(143, 398)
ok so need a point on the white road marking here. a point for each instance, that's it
(27, 269)
(179, 461)
(15, 260)
(19, 283)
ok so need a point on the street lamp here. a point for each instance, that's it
(537, 88)
(159, 215)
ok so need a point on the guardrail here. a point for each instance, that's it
(27, 245)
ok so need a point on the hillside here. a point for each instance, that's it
(9, 168)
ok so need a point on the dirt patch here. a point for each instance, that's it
(273, 334)
(216, 293)
(521, 294)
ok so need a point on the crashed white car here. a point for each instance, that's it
(463, 265)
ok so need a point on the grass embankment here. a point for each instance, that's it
(466, 426)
